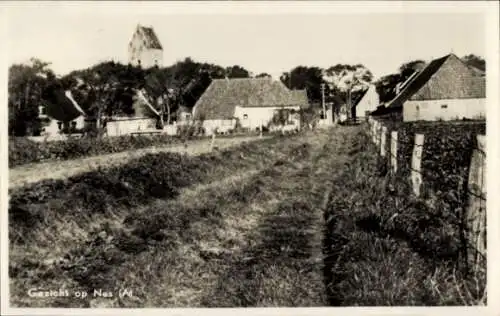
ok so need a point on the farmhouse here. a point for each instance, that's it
(144, 48)
(446, 89)
(251, 101)
(62, 114)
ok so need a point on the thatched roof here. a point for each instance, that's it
(59, 107)
(299, 97)
(151, 41)
(447, 77)
(223, 95)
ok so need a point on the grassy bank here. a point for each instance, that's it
(23, 151)
(384, 247)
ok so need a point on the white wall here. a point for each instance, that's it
(432, 110)
(52, 128)
(221, 126)
(146, 56)
(369, 102)
(257, 115)
(328, 121)
(124, 127)
(149, 56)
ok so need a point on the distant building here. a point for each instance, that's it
(61, 115)
(446, 89)
(251, 101)
(145, 49)
(368, 103)
(145, 118)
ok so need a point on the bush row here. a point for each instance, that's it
(24, 151)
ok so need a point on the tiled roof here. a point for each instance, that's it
(58, 106)
(223, 95)
(444, 78)
(151, 40)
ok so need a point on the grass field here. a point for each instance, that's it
(290, 221)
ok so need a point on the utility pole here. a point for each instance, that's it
(323, 100)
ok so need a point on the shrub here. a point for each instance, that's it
(23, 151)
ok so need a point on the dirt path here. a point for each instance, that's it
(32, 173)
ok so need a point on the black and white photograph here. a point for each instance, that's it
(245, 155)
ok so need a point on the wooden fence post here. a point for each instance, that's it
(374, 132)
(212, 142)
(476, 208)
(416, 161)
(377, 133)
(394, 151)
(383, 140)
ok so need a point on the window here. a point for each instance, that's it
(59, 125)
(444, 106)
(43, 111)
(322, 115)
(245, 116)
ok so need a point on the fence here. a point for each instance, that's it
(474, 201)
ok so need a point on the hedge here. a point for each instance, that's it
(23, 151)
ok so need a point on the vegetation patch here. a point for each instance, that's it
(76, 232)
(384, 247)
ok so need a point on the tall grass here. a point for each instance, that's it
(385, 247)
(73, 233)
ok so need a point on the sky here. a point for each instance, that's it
(261, 40)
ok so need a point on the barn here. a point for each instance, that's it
(446, 89)
(250, 101)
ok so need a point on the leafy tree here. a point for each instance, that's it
(25, 87)
(106, 88)
(386, 85)
(407, 69)
(237, 72)
(348, 80)
(161, 91)
(98, 88)
(263, 75)
(475, 61)
(303, 77)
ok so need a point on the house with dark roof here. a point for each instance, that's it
(446, 89)
(251, 101)
(59, 112)
(145, 49)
